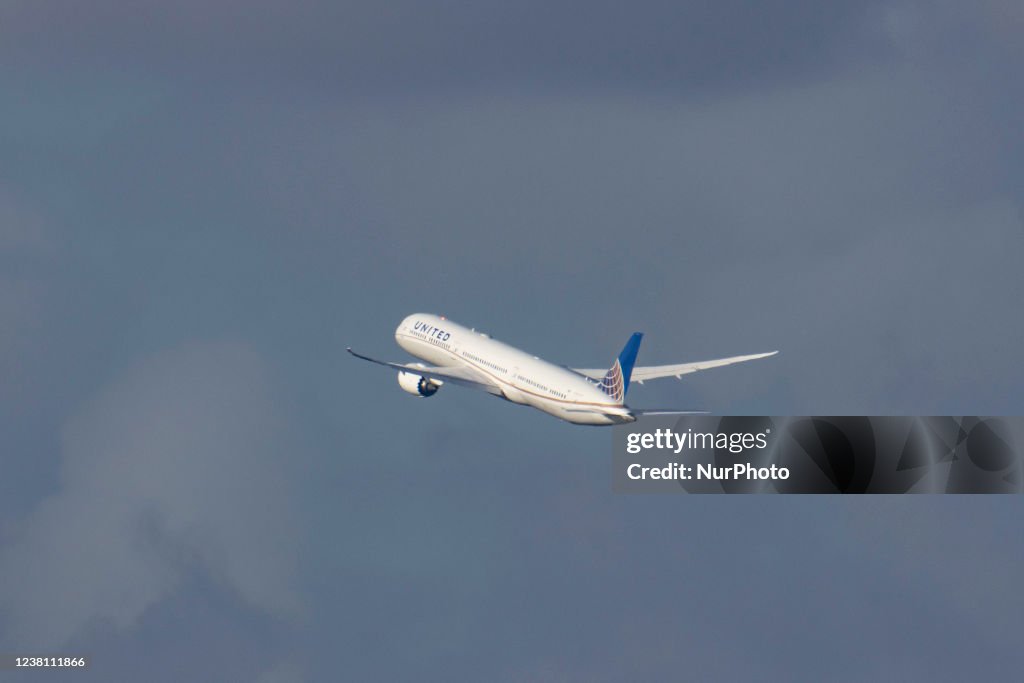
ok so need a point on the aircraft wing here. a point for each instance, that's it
(455, 374)
(643, 373)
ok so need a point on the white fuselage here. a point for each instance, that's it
(521, 377)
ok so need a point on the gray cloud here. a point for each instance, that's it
(171, 469)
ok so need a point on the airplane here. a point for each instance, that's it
(468, 358)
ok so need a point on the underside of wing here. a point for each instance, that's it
(455, 374)
(643, 373)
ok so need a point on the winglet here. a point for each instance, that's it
(359, 355)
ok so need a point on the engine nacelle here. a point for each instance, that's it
(417, 385)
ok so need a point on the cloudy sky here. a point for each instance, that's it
(203, 203)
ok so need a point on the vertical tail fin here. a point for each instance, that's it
(616, 380)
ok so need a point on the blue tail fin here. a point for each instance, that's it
(616, 380)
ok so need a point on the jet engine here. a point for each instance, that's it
(417, 385)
